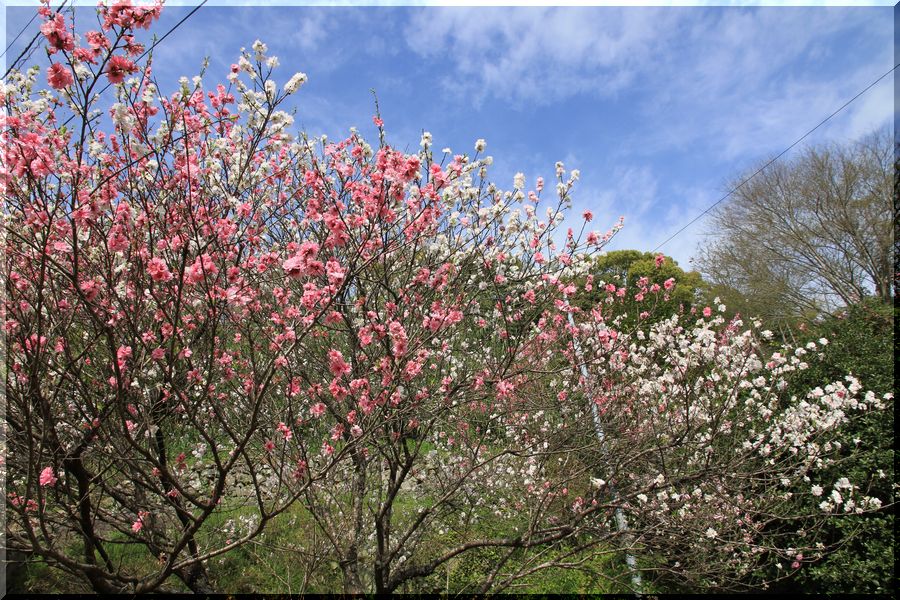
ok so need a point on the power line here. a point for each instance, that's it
(147, 51)
(156, 42)
(152, 46)
(177, 25)
(18, 35)
(30, 44)
(782, 153)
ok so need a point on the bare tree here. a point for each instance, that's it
(811, 234)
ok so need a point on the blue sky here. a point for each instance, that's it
(657, 106)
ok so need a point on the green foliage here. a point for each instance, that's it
(863, 566)
(592, 576)
(861, 342)
(625, 268)
(35, 576)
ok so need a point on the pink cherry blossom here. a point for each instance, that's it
(118, 68)
(59, 76)
(123, 355)
(58, 37)
(336, 363)
(48, 477)
(158, 270)
(294, 266)
(210, 292)
(90, 289)
(285, 431)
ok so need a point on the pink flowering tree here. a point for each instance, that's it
(205, 312)
(146, 314)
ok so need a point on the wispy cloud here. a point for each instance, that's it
(757, 79)
(732, 76)
(537, 55)
(651, 215)
(630, 190)
(687, 97)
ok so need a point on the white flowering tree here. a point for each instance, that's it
(707, 442)
(206, 315)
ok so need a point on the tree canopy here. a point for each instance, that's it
(808, 235)
(625, 269)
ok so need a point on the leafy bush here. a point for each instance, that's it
(861, 342)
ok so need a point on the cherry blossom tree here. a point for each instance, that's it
(206, 313)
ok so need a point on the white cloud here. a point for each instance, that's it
(310, 30)
(738, 81)
(872, 110)
(537, 55)
(724, 87)
(634, 192)
(750, 82)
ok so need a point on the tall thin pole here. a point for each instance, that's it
(621, 521)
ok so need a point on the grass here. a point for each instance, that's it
(276, 563)
(293, 556)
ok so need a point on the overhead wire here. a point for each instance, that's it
(176, 26)
(158, 41)
(18, 35)
(148, 50)
(666, 241)
(780, 154)
(30, 44)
